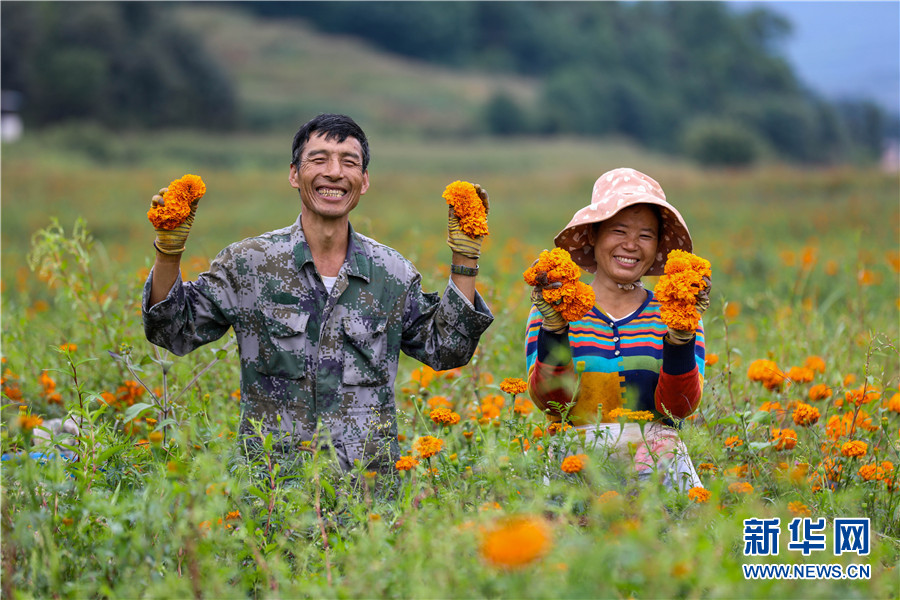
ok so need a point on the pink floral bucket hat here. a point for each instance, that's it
(613, 191)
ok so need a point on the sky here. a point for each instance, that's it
(844, 49)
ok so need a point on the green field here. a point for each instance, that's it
(162, 503)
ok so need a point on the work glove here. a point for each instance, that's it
(171, 241)
(554, 322)
(459, 241)
(679, 337)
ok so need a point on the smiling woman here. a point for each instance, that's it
(629, 361)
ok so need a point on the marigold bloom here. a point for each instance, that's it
(800, 374)
(608, 496)
(854, 448)
(554, 428)
(640, 415)
(678, 287)
(574, 464)
(523, 406)
(427, 446)
(513, 385)
(706, 468)
(468, 208)
(444, 416)
(699, 494)
(711, 359)
(68, 347)
(514, 542)
(27, 422)
(740, 487)
(785, 439)
(893, 404)
(819, 391)
(798, 509)
(406, 463)
(861, 395)
(574, 298)
(806, 414)
(766, 372)
(733, 442)
(816, 363)
(876, 472)
(439, 402)
(179, 197)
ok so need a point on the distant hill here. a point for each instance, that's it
(285, 72)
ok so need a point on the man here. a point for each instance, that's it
(320, 311)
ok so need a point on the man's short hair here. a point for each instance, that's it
(334, 127)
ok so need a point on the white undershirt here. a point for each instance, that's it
(329, 282)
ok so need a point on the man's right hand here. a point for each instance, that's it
(172, 241)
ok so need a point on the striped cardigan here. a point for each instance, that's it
(625, 363)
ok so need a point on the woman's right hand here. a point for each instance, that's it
(553, 320)
(172, 241)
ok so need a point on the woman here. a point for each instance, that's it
(626, 357)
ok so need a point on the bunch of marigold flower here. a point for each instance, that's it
(468, 208)
(678, 287)
(574, 298)
(178, 199)
(444, 416)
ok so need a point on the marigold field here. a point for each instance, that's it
(800, 415)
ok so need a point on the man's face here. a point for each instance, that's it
(330, 177)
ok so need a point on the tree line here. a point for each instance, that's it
(681, 77)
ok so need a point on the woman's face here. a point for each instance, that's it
(625, 245)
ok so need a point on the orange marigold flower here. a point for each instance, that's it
(699, 494)
(678, 287)
(800, 374)
(406, 463)
(427, 446)
(874, 471)
(854, 448)
(815, 363)
(769, 406)
(706, 468)
(513, 385)
(468, 208)
(862, 395)
(27, 422)
(711, 359)
(806, 414)
(574, 464)
(608, 496)
(766, 372)
(893, 404)
(733, 442)
(574, 298)
(554, 428)
(439, 402)
(523, 406)
(514, 542)
(819, 391)
(68, 347)
(798, 509)
(640, 415)
(444, 416)
(740, 487)
(178, 199)
(784, 439)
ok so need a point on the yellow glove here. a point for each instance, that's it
(459, 241)
(553, 322)
(171, 241)
(679, 337)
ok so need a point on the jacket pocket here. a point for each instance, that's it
(365, 350)
(282, 346)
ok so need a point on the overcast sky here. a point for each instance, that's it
(845, 49)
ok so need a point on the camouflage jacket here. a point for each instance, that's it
(310, 358)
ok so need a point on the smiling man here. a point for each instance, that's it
(320, 312)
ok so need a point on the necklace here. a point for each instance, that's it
(630, 286)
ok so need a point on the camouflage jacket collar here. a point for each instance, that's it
(357, 261)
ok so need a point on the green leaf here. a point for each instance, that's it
(135, 409)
